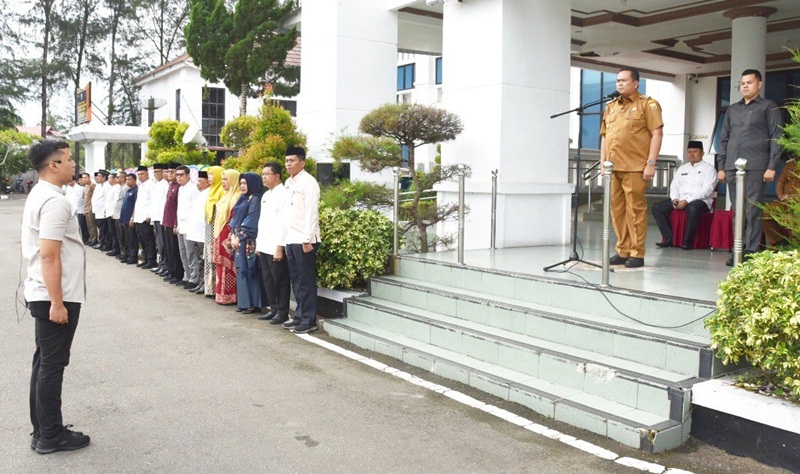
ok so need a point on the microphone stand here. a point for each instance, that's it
(573, 257)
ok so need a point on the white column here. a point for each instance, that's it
(748, 42)
(349, 65)
(504, 84)
(95, 156)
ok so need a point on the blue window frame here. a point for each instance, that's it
(405, 77)
(438, 70)
(594, 86)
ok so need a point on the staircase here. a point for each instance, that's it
(556, 347)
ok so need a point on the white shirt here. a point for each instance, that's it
(270, 225)
(99, 200)
(159, 199)
(71, 192)
(301, 210)
(123, 188)
(48, 215)
(141, 210)
(694, 182)
(79, 196)
(112, 194)
(197, 216)
(187, 194)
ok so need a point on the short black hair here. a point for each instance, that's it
(634, 73)
(84, 174)
(754, 72)
(183, 168)
(275, 168)
(40, 152)
(131, 175)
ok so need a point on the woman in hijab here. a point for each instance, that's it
(244, 230)
(225, 289)
(214, 195)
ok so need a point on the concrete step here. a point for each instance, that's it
(660, 348)
(681, 315)
(629, 383)
(633, 427)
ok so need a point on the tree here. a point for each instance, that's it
(12, 153)
(11, 88)
(245, 49)
(162, 26)
(387, 129)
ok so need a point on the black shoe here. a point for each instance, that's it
(199, 291)
(189, 285)
(634, 262)
(211, 296)
(124, 260)
(133, 262)
(251, 311)
(113, 253)
(67, 440)
(687, 245)
(91, 243)
(34, 440)
(269, 316)
(291, 324)
(148, 265)
(140, 265)
(304, 328)
(617, 260)
(664, 243)
(279, 319)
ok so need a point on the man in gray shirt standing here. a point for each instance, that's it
(55, 288)
(750, 130)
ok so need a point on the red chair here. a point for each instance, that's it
(677, 219)
(721, 230)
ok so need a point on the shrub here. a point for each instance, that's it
(356, 194)
(238, 133)
(356, 245)
(758, 316)
(166, 144)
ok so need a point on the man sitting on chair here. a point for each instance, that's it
(691, 191)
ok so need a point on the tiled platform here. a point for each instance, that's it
(691, 274)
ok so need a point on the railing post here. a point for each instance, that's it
(738, 226)
(396, 216)
(493, 239)
(461, 175)
(607, 167)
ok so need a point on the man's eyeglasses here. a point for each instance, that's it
(180, 174)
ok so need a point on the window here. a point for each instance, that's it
(290, 106)
(178, 105)
(405, 77)
(213, 114)
(594, 86)
(438, 71)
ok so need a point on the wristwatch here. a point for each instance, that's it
(651, 162)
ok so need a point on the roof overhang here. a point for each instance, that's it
(88, 133)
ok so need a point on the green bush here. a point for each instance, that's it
(238, 133)
(166, 145)
(356, 245)
(758, 316)
(356, 194)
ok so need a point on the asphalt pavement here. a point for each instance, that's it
(168, 381)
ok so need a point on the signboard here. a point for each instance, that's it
(84, 100)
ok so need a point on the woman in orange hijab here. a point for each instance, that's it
(225, 290)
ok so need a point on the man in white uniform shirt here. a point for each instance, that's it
(99, 209)
(79, 195)
(55, 289)
(159, 198)
(112, 194)
(121, 227)
(301, 228)
(196, 231)
(71, 191)
(270, 246)
(141, 219)
(187, 193)
(691, 190)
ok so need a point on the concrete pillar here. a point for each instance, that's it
(95, 155)
(504, 86)
(748, 42)
(349, 65)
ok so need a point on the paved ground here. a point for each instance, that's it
(166, 381)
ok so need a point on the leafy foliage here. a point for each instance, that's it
(758, 316)
(356, 195)
(12, 154)
(387, 129)
(356, 245)
(166, 145)
(238, 133)
(790, 140)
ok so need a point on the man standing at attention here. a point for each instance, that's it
(141, 218)
(301, 224)
(88, 193)
(749, 131)
(270, 246)
(631, 134)
(55, 288)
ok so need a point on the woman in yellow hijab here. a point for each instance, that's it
(225, 290)
(214, 195)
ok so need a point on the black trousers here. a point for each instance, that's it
(173, 254)
(148, 240)
(132, 242)
(53, 344)
(122, 237)
(162, 258)
(275, 279)
(102, 233)
(753, 194)
(662, 209)
(84, 227)
(112, 234)
(303, 275)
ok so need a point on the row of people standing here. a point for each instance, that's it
(240, 239)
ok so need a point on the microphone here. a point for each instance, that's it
(613, 95)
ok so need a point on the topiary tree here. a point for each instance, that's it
(392, 126)
(758, 316)
(166, 145)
